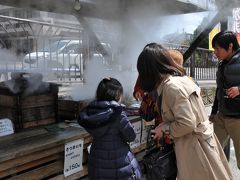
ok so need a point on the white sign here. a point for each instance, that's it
(6, 127)
(236, 16)
(136, 142)
(144, 136)
(137, 127)
(73, 157)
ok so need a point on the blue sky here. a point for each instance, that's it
(186, 22)
(158, 27)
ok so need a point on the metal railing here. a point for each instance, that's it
(60, 52)
(56, 51)
(202, 65)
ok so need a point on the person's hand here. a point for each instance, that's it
(157, 132)
(212, 117)
(138, 96)
(233, 92)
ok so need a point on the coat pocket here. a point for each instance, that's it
(204, 133)
(204, 130)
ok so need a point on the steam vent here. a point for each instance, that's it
(28, 101)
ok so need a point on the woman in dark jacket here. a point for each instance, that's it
(105, 119)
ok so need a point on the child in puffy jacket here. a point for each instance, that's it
(110, 156)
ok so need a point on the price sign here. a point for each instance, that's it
(73, 157)
(6, 127)
(136, 142)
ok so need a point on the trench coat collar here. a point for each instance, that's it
(160, 87)
(188, 87)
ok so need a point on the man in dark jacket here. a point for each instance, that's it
(226, 108)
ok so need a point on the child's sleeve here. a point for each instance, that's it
(126, 129)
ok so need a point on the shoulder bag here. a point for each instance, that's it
(159, 162)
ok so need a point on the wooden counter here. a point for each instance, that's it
(39, 153)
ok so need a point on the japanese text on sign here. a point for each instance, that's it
(236, 16)
(6, 127)
(73, 157)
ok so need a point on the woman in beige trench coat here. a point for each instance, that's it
(198, 152)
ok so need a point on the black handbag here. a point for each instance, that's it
(159, 163)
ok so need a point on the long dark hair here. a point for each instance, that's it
(154, 64)
(109, 89)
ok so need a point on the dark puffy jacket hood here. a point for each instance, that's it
(98, 116)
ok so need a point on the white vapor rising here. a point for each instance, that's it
(139, 23)
(95, 72)
(137, 27)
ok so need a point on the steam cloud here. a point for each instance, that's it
(140, 24)
(95, 72)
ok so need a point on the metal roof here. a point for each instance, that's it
(105, 9)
